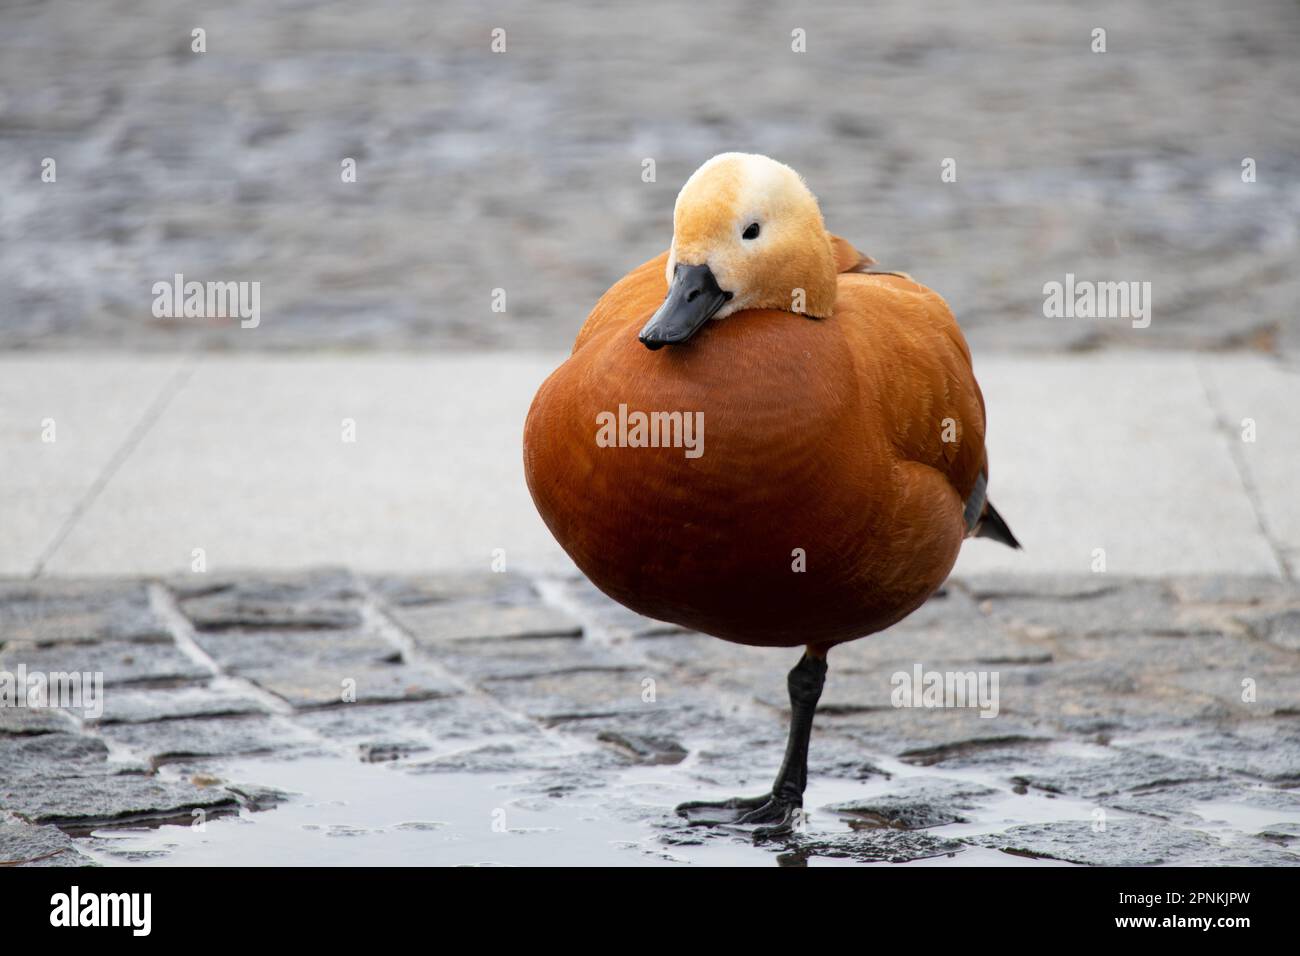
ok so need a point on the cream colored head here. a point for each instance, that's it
(758, 228)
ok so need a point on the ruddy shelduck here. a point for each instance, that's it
(759, 437)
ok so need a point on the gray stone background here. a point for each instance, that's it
(1123, 737)
(522, 170)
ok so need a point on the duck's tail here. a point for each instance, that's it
(992, 526)
(982, 519)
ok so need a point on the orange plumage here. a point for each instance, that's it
(854, 440)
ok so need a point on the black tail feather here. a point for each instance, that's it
(992, 526)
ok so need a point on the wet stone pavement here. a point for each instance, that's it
(325, 717)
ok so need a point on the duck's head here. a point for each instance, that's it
(747, 234)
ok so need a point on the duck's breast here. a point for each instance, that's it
(777, 525)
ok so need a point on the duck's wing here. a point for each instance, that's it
(847, 257)
(921, 384)
(630, 301)
(917, 369)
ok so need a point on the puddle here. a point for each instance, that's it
(343, 812)
(1231, 821)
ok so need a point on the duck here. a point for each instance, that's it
(761, 436)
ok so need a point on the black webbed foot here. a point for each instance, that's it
(709, 813)
(764, 817)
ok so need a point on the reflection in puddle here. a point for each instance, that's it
(343, 812)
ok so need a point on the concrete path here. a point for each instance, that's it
(1141, 455)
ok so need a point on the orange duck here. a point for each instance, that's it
(758, 438)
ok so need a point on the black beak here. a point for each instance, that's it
(693, 298)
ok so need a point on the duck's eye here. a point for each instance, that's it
(751, 231)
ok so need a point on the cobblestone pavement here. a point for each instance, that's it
(522, 170)
(1139, 722)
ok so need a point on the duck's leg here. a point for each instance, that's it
(775, 811)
